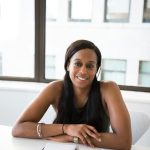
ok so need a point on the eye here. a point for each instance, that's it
(90, 66)
(77, 64)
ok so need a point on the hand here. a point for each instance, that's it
(83, 132)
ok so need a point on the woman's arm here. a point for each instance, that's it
(26, 125)
(121, 137)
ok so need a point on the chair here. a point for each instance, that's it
(140, 122)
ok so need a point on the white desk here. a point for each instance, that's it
(7, 142)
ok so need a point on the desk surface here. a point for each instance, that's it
(7, 142)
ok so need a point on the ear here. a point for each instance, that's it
(68, 66)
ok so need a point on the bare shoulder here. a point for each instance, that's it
(110, 89)
(107, 85)
(52, 91)
(55, 85)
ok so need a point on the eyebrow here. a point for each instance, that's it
(91, 61)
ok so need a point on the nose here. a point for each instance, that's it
(83, 70)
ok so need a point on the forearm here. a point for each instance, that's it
(29, 130)
(61, 138)
(113, 141)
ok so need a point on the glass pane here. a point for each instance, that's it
(144, 80)
(145, 67)
(0, 64)
(118, 77)
(124, 45)
(146, 16)
(52, 10)
(114, 65)
(78, 11)
(17, 37)
(50, 66)
(117, 10)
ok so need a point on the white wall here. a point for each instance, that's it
(15, 96)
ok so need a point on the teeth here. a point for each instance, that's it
(81, 78)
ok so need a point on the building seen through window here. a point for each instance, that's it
(146, 13)
(80, 10)
(0, 64)
(144, 73)
(33, 43)
(52, 9)
(17, 38)
(50, 66)
(117, 11)
(114, 70)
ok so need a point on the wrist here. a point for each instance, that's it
(65, 126)
(62, 128)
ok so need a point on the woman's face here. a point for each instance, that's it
(82, 68)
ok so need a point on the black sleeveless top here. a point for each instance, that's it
(80, 116)
(93, 112)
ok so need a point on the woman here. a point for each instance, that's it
(85, 107)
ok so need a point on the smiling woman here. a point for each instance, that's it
(85, 107)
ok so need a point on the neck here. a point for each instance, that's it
(80, 97)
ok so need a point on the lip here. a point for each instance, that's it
(81, 78)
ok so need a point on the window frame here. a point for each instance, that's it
(114, 20)
(40, 22)
(75, 20)
(141, 73)
(104, 70)
(145, 20)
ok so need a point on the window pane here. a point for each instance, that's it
(144, 80)
(113, 69)
(146, 16)
(117, 10)
(123, 42)
(145, 67)
(117, 65)
(0, 64)
(52, 10)
(118, 77)
(17, 37)
(50, 66)
(144, 73)
(80, 9)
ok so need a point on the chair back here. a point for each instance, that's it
(140, 122)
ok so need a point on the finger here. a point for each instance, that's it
(91, 133)
(92, 129)
(89, 141)
(96, 136)
(82, 138)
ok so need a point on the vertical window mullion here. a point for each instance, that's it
(40, 12)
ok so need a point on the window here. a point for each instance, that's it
(144, 73)
(50, 68)
(113, 69)
(17, 38)
(0, 64)
(52, 10)
(80, 10)
(146, 14)
(34, 36)
(117, 11)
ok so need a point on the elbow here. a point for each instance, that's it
(16, 131)
(127, 144)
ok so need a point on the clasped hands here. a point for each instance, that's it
(84, 132)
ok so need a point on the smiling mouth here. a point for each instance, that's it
(82, 78)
